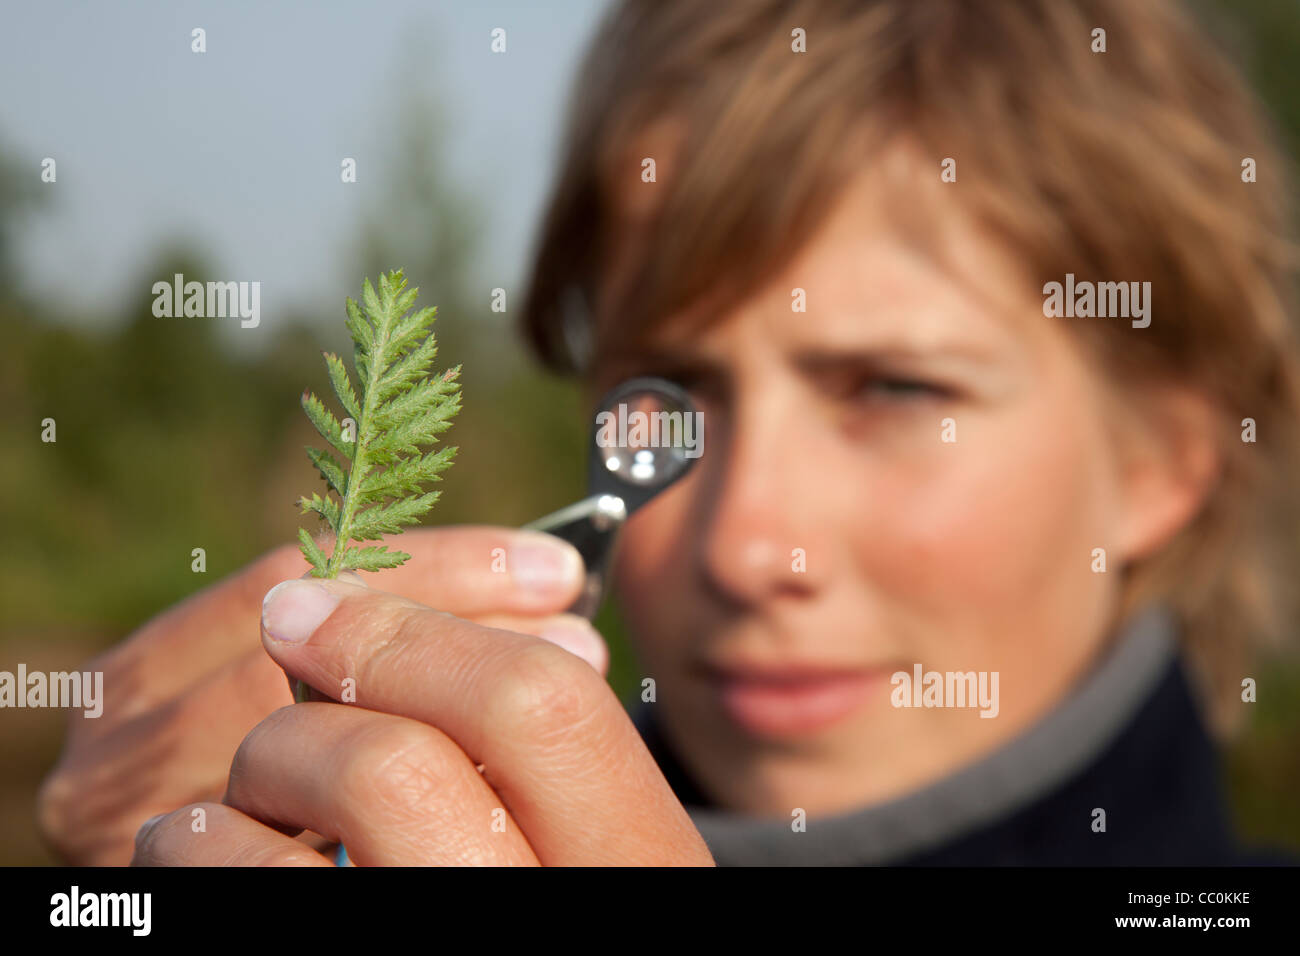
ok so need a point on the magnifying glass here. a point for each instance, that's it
(646, 435)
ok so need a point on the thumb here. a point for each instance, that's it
(301, 692)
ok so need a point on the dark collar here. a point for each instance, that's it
(1129, 741)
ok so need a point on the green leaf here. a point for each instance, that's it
(408, 370)
(407, 475)
(389, 519)
(402, 303)
(342, 386)
(329, 469)
(363, 339)
(412, 328)
(372, 559)
(312, 553)
(363, 333)
(327, 509)
(326, 424)
(371, 301)
(400, 411)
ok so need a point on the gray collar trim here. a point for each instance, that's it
(1028, 767)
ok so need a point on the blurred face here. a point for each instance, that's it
(914, 471)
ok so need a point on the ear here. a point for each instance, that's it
(1171, 464)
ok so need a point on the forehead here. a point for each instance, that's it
(898, 258)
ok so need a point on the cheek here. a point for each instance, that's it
(1000, 521)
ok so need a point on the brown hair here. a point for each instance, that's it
(1126, 163)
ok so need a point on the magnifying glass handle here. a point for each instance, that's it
(592, 527)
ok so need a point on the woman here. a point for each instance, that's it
(968, 573)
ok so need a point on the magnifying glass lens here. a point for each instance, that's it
(646, 437)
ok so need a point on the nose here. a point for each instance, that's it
(760, 532)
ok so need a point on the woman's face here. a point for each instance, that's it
(914, 471)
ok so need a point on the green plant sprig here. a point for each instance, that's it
(399, 411)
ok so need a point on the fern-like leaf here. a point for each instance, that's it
(342, 385)
(374, 558)
(399, 411)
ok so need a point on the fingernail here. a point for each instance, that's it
(544, 562)
(579, 640)
(292, 610)
(147, 826)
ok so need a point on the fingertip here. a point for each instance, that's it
(292, 610)
(577, 636)
(145, 827)
(544, 563)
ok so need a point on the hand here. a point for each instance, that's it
(186, 688)
(466, 744)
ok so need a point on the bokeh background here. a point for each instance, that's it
(181, 433)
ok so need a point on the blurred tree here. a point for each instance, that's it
(20, 196)
(163, 445)
(1263, 37)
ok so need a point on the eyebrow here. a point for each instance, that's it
(668, 362)
(809, 361)
(814, 360)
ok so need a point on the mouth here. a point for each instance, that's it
(793, 700)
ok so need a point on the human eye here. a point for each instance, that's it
(891, 388)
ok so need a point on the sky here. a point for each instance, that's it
(240, 146)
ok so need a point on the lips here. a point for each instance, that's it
(794, 700)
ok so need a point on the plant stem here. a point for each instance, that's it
(356, 472)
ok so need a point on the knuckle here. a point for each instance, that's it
(545, 692)
(254, 742)
(386, 637)
(393, 765)
(149, 846)
(167, 839)
(374, 633)
(56, 809)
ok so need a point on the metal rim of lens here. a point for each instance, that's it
(646, 466)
